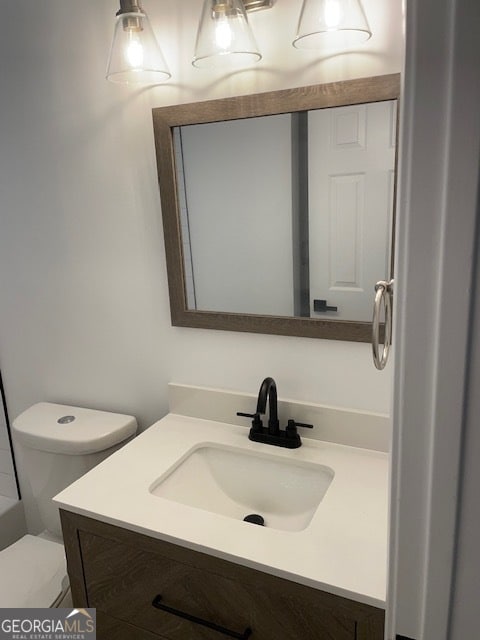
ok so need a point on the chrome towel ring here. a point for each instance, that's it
(384, 295)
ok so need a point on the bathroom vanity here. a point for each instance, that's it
(157, 562)
(127, 576)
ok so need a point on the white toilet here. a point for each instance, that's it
(57, 444)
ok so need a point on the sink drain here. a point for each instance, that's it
(254, 518)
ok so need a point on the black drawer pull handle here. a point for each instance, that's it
(157, 603)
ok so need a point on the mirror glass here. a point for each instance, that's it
(280, 215)
(250, 247)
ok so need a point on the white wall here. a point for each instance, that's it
(239, 190)
(84, 312)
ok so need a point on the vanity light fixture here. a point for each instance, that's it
(224, 37)
(256, 5)
(135, 56)
(331, 24)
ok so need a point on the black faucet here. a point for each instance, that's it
(268, 390)
(272, 434)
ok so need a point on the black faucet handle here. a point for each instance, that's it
(305, 426)
(256, 420)
(293, 424)
(291, 433)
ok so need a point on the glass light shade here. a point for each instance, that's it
(135, 56)
(257, 5)
(224, 37)
(331, 24)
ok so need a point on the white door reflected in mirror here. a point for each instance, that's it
(351, 186)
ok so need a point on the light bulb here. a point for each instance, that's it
(223, 33)
(135, 56)
(331, 24)
(134, 52)
(332, 14)
(224, 37)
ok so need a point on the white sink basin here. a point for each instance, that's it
(236, 483)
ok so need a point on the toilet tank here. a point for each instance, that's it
(57, 444)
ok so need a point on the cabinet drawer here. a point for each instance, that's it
(112, 629)
(123, 580)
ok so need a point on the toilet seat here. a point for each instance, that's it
(31, 573)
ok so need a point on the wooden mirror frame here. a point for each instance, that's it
(335, 94)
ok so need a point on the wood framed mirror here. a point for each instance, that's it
(278, 208)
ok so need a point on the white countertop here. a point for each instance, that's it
(342, 551)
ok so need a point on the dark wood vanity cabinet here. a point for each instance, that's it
(124, 575)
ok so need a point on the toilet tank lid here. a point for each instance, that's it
(59, 428)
